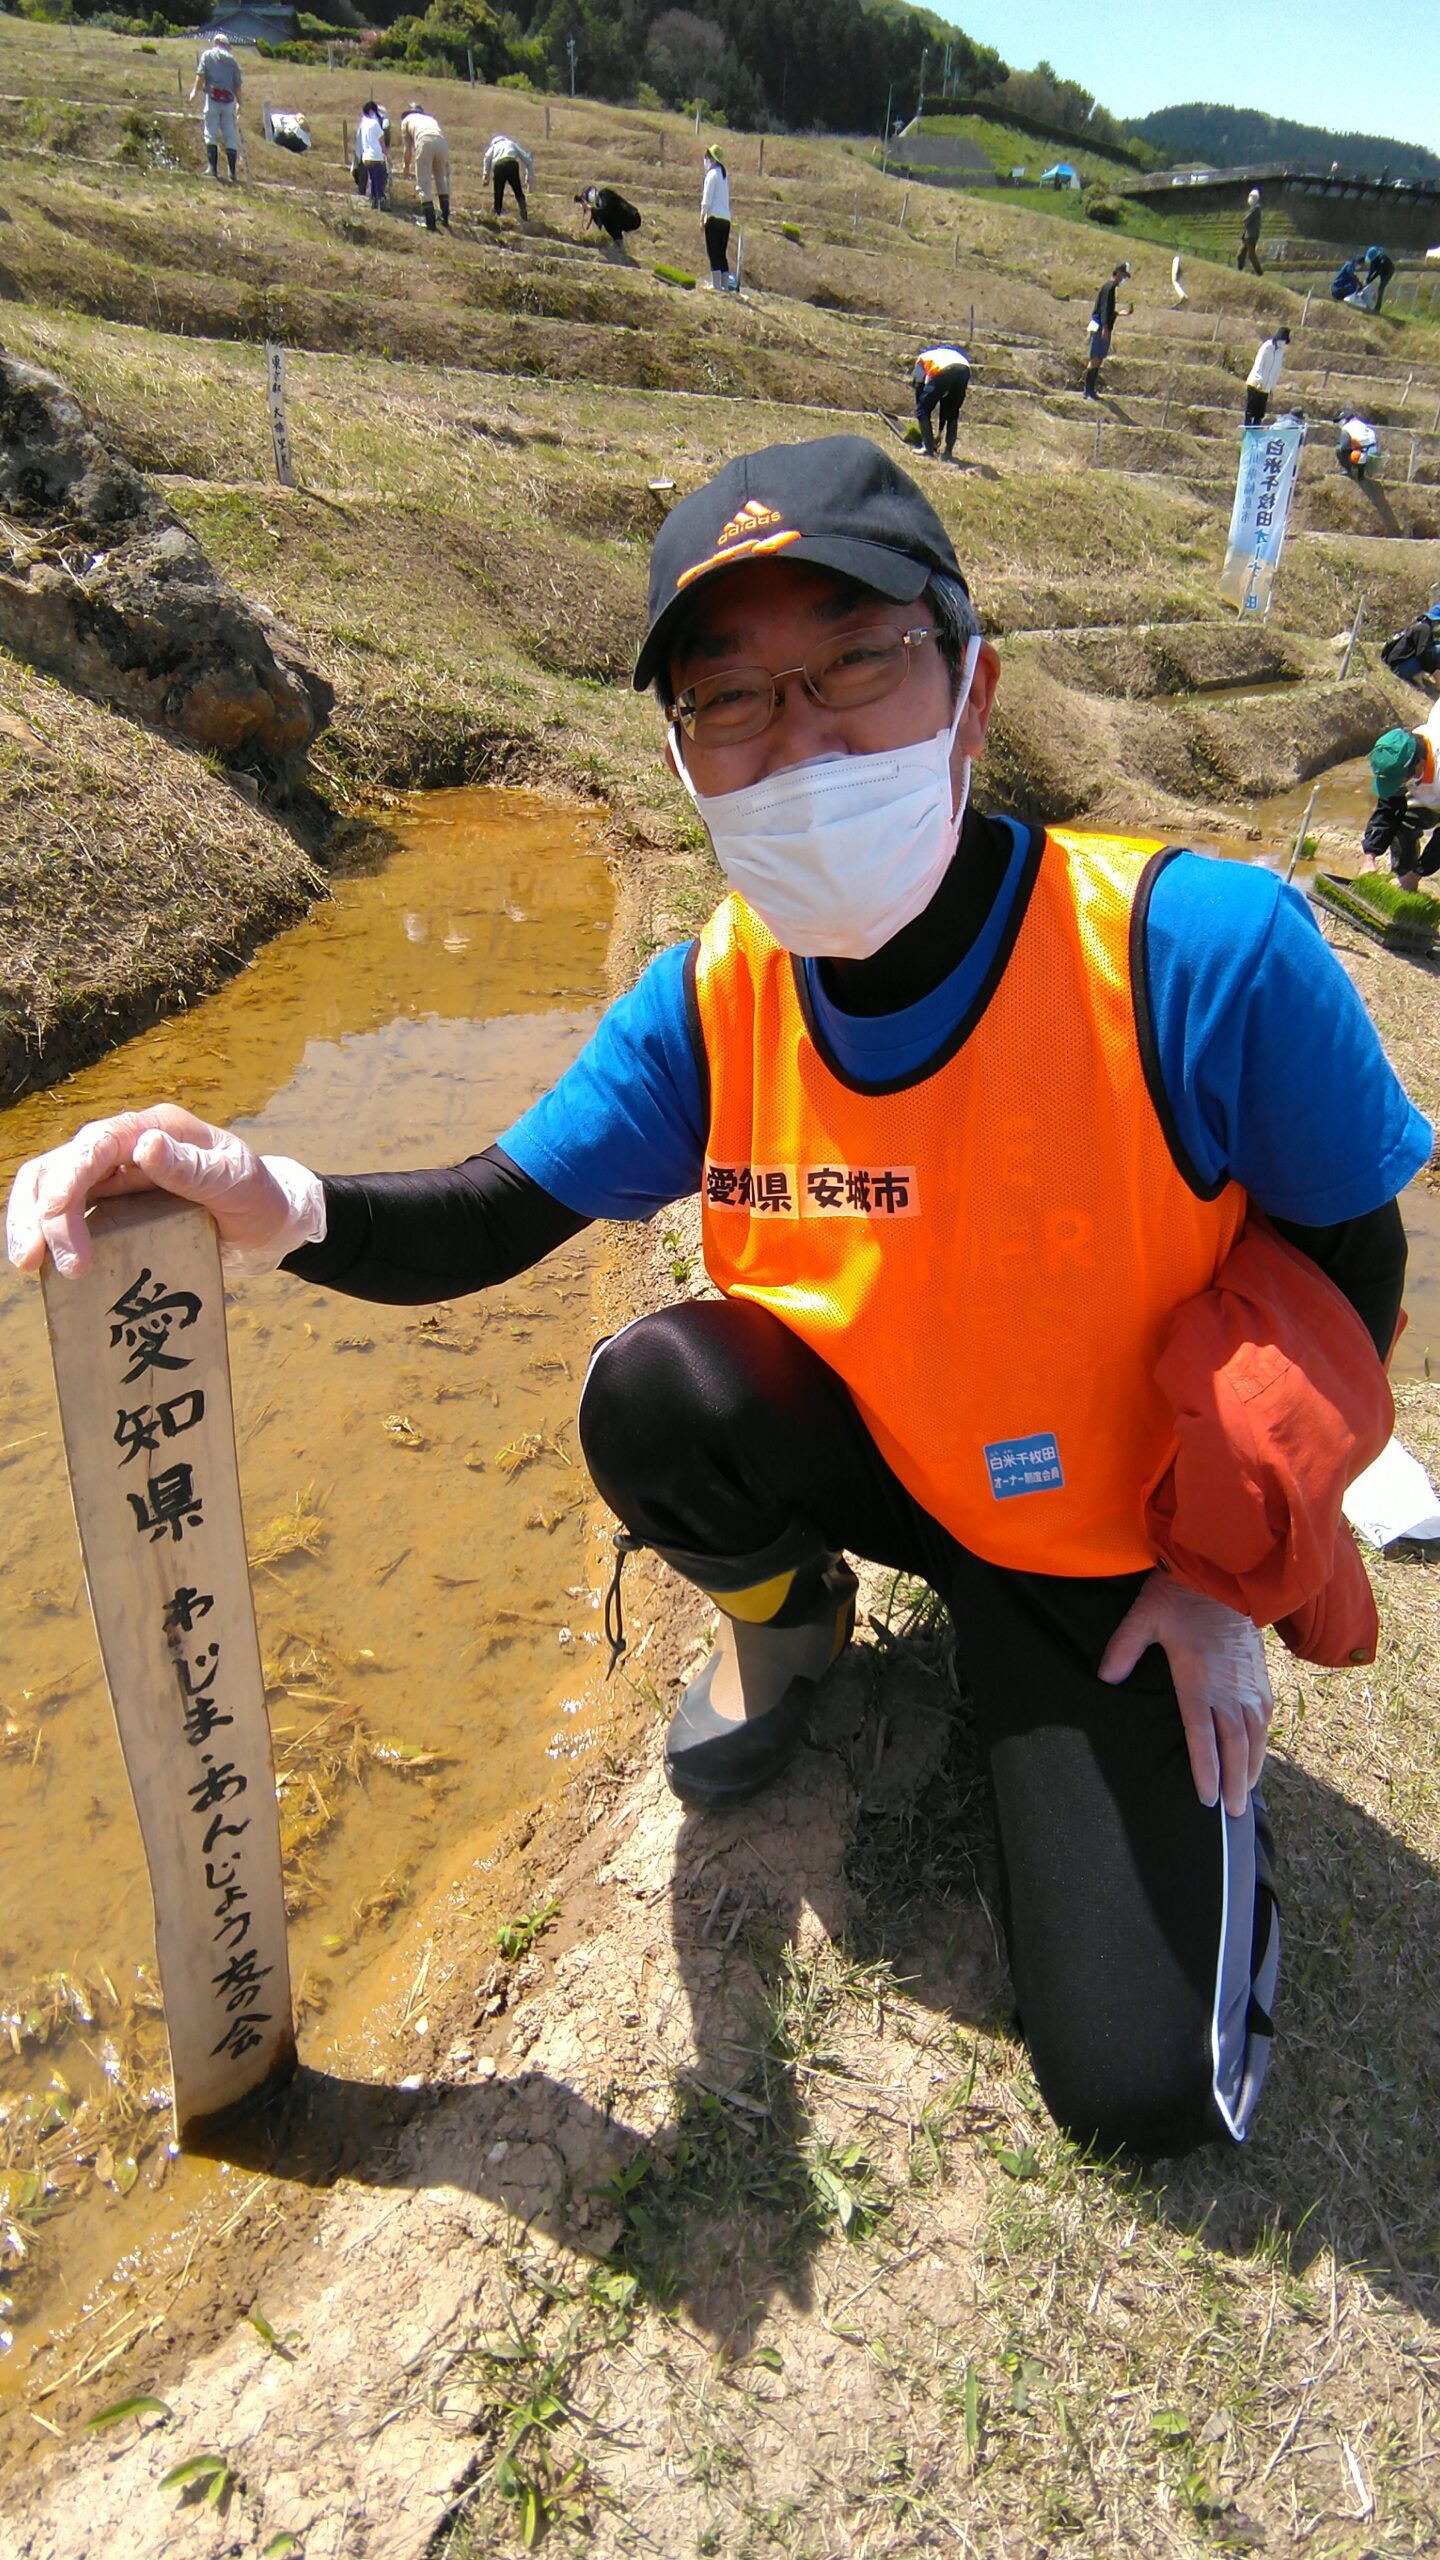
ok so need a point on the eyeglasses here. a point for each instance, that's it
(854, 668)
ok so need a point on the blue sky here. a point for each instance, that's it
(1324, 61)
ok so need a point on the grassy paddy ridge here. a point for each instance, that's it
(725, 2218)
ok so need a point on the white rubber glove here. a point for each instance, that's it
(262, 1206)
(1217, 1662)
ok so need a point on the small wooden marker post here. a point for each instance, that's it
(279, 425)
(142, 1374)
(760, 163)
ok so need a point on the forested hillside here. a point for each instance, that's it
(1229, 137)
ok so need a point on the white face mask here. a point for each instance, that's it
(837, 856)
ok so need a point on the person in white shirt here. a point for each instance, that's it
(1264, 375)
(372, 156)
(218, 75)
(507, 162)
(1357, 448)
(715, 220)
(941, 378)
(427, 160)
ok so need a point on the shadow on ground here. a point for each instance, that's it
(882, 1848)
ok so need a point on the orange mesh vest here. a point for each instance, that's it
(988, 1255)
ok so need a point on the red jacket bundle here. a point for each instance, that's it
(1280, 1403)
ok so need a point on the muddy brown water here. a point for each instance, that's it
(410, 1473)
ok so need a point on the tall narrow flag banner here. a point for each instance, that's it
(1269, 460)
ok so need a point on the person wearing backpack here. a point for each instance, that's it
(1415, 652)
(1345, 281)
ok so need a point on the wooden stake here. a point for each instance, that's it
(344, 144)
(279, 423)
(904, 209)
(143, 1379)
(1304, 829)
(1305, 314)
(855, 212)
(760, 170)
(1350, 643)
(1405, 394)
(547, 129)
(1414, 450)
(1215, 332)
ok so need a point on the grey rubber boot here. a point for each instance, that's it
(744, 1716)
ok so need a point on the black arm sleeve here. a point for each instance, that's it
(406, 1239)
(1365, 1257)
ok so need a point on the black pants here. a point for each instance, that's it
(506, 173)
(717, 244)
(1140, 1925)
(1249, 257)
(1256, 404)
(945, 392)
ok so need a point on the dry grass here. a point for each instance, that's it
(131, 876)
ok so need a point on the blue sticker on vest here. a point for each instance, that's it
(1024, 1466)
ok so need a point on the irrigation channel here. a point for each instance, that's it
(413, 1500)
(414, 1511)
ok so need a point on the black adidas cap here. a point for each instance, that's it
(838, 503)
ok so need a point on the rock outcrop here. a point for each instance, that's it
(102, 586)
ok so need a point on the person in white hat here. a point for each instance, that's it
(427, 160)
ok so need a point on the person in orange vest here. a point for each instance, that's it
(974, 1108)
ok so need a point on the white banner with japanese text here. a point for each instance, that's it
(1269, 460)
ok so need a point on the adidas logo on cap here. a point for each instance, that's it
(749, 521)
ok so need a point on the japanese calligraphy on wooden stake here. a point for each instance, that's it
(279, 425)
(142, 1373)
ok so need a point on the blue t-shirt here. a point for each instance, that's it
(1272, 1067)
